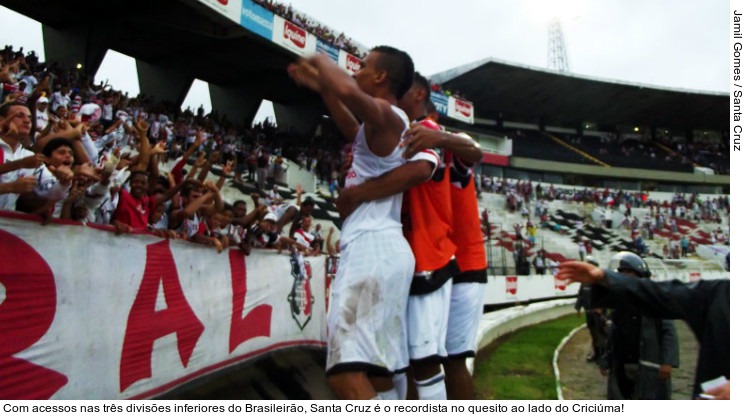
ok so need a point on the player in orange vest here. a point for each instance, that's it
(427, 223)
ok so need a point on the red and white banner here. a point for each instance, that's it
(524, 289)
(348, 62)
(461, 110)
(560, 285)
(86, 314)
(511, 286)
(229, 8)
(293, 37)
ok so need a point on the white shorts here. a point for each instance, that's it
(466, 310)
(427, 323)
(367, 311)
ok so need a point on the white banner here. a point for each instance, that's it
(461, 110)
(293, 37)
(229, 8)
(86, 314)
(348, 62)
(511, 289)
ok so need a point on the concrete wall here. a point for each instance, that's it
(625, 173)
(237, 104)
(75, 45)
(302, 118)
(163, 82)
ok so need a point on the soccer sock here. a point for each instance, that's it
(400, 381)
(433, 388)
(388, 395)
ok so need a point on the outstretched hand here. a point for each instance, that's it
(7, 126)
(722, 392)
(577, 271)
(32, 161)
(304, 74)
(23, 185)
(88, 171)
(63, 173)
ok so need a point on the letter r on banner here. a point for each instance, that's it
(25, 316)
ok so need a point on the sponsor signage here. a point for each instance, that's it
(141, 315)
(495, 159)
(461, 110)
(228, 8)
(511, 286)
(560, 285)
(328, 49)
(293, 37)
(257, 19)
(348, 62)
(441, 102)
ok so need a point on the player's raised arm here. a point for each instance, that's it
(384, 76)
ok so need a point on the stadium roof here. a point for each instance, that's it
(177, 33)
(525, 94)
(187, 34)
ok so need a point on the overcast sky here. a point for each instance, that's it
(668, 43)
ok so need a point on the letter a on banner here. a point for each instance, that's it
(145, 324)
(26, 314)
(257, 323)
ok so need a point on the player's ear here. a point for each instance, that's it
(420, 93)
(381, 76)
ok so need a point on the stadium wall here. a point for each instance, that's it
(618, 172)
(86, 314)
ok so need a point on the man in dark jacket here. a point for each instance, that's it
(703, 305)
(595, 319)
(641, 351)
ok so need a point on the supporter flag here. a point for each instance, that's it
(511, 286)
(560, 285)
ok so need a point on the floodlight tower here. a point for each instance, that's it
(557, 57)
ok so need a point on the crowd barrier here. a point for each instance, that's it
(86, 314)
(503, 290)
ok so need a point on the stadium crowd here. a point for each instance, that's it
(691, 206)
(90, 153)
(321, 31)
(87, 152)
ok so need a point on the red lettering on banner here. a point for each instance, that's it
(353, 63)
(145, 324)
(294, 34)
(463, 107)
(25, 316)
(511, 285)
(257, 323)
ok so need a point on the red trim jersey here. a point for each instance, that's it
(304, 238)
(427, 214)
(131, 211)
